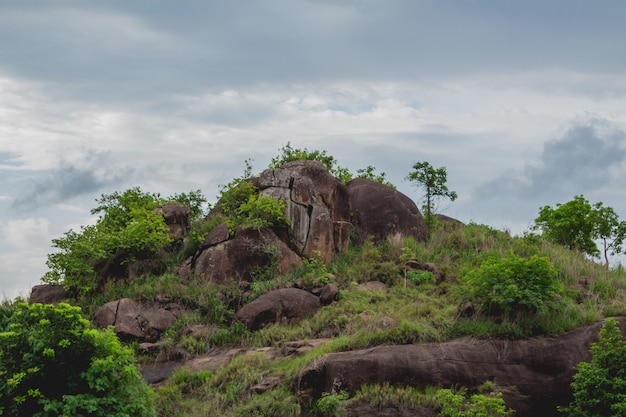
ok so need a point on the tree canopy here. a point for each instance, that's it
(577, 224)
(53, 362)
(433, 181)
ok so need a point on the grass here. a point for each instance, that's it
(412, 310)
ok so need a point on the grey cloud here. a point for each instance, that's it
(579, 162)
(69, 181)
(208, 45)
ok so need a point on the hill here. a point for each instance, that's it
(298, 295)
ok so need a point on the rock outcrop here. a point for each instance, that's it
(131, 321)
(284, 305)
(379, 211)
(318, 207)
(243, 256)
(47, 294)
(534, 374)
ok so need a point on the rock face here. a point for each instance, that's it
(47, 294)
(318, 206)
(379, 211)
(241, 257)
(535, 374)
(176, 217)
(132, 322)
(288, 304)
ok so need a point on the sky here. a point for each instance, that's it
(523, 102)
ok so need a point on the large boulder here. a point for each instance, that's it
(244, 255)
(318, 207)
(289, 304)
(177, 218)
(535, 374)
(131, 321)
(379, 211)
(47, 294)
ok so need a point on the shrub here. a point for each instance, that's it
(516, 285)
(54, 363)
(600, 385)
(477, 405)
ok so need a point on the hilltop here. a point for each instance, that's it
(302, 294)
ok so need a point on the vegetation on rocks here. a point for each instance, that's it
(489, 285)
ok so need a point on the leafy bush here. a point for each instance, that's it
(477, 405)
(600, 385)
(128, 228)
(54, 363)
(516, 285)
(331, 404)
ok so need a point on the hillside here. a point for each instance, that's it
(299, 295)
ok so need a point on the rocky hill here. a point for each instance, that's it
(351, 290)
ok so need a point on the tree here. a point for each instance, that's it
(577, 225)
(600, 385)
(609, 230)
(571, 224)
(53, 362)
(433, 181)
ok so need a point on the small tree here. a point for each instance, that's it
(609, 230)
(433, 181)
(600, 385)
(577, 225)
(571, 224)
(53, 362)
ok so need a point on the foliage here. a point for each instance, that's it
(477, 405)
(433, 181)
(515, 284)
(577, 225)
(289, 154)
(54, 363)
(239, 204)
(195, 200)
(128, 228)
(600, 385)
(331, 404)
(369, 173)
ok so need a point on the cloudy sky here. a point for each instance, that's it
(524, 102)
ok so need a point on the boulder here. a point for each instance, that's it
(379, 211)
(318, 207)
(534, 374)
(47, 294)
(247, 253)
(289, 304)
(131, 321)
(328, 294)
(177, 218)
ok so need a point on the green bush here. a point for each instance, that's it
(477, 405)
(54, 363)
(515, 285)
(600, 385)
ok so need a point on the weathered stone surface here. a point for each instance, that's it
(318, 206)
(177, 218)
(131, 321)
(239, 258)
(289, 304)
(47, 294)
(379, 211)
(329, 293)
(535, 374)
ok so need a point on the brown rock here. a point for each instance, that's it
(329, 293)
(177, 218)
(288, 304)
(318, 207)
(131, 321)
(536, 373)
(372, 286)
(47, 294)
(379, 211)
(240, 257)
